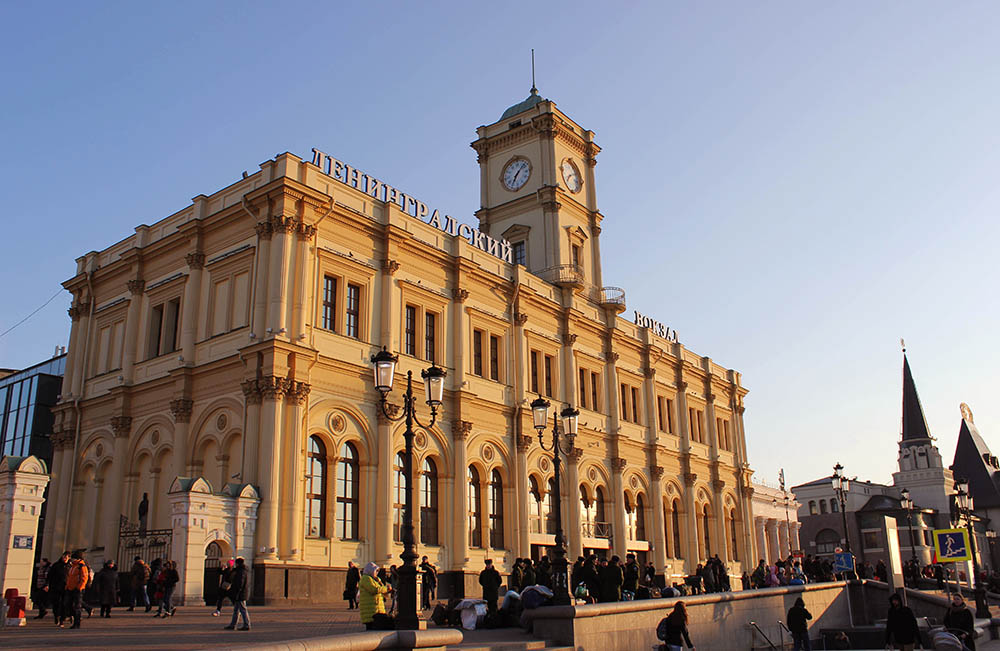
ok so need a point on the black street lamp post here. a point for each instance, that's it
(964, 503)
(385, 369)
(841, 485)
(540, 416)
(907, 504)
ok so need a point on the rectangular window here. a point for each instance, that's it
(624, 390)
(594, 383)
(534, 371)
(583, 388)
(520, 253)
(163, 327)
(661, 421)
(329, 303)
(352, 322)
(635, 405)
(691, 424)
(495, 358)
(430, 336)
(670, 415)
(576, 255)
(410, 331)
(870, 540)
(155, 331)
(220, 307)
(548, 376)
(477, 352)
(701, 426)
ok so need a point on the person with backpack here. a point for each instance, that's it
(77, 578)
(673, 629)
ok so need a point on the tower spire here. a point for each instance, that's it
(915, 430)
(534, 91)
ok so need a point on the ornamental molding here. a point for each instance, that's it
(121, 426)
(272, 387)
(195, 260)
(180, 409)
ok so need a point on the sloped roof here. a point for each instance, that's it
(974, 462)
(915, 430)
(522, 106)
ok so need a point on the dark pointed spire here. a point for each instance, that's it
(915, 430)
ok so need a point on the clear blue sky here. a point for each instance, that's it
(792, 186)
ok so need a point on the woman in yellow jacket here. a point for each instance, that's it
(372, 603)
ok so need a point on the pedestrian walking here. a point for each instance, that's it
(106, 585)
(239, 592)
(225, 583)
(351, 582)
(429, 583)
(77, 578)
(167, 581)
(140, 575)
(41, 597)
(373, 591)
(673, 629)
(798, 624)
(490, 580)
(56, 587)
(901, 630)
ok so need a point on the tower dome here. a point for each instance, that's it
(532, 99)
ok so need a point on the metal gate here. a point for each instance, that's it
(213, 570)
(148, 545)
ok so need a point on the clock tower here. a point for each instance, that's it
(537, 191)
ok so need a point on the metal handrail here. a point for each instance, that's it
(781, 633)
(563, 274)
(754, 627)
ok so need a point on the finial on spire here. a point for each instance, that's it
(902, 345)
(534, 91)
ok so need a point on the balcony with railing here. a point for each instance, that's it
(595, 529)
(610, 297)
(564, 275)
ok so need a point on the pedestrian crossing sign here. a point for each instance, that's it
(952, 545)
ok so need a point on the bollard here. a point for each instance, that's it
(15, 608)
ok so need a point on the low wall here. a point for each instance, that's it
(430, 640)
(715, 621)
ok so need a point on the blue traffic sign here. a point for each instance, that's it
(843, 562)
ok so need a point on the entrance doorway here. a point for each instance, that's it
(213, 570)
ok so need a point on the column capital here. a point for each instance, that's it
(264, 231)
(459, 294)
(523, 443)
(306, 232)
(251, 392)
(656, 472)
(520, 318)
(283, 224)
(460, 429)
(393, 412)
(136, 286)
(78, 310)
(272, 387)
(650, 373)
(569, 338)
(718, 485)
(618, 464)
(180, 409)
(297, 392)
(121, 426)
(390, 266)
(575, 455)
(690, 478)
(195, 260)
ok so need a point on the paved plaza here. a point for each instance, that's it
(192, 627)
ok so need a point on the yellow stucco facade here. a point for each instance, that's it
(231, 341)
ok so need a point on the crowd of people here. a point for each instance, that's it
(69, 587)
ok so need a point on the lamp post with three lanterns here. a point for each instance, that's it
(964, 503)
(540, 416)
(384, 364)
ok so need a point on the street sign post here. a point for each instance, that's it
(952, 545)
(843, 562)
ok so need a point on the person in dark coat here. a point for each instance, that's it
(225, 583)
(673, 629)
(631, 574)
(169, 578)
(707, 573)
(798, 624)
(140, 576)
(351, 582)
(576, 573)
(106, 585)
(543, 572)
(239, 593)
(529, 574)
(490, 579)
(56, 586)
(649, 573)
(429, 583)
(590, 578)
(611, 578)
(881, 573)
(900, 625)
(41, 597)
(516, 579)
(959, 620)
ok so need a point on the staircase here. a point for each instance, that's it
(504, 639)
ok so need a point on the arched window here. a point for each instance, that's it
(640, 518)
(550, 507)
(496, 510)
(535, 505)
(734, 553)
(812, 507)
(475, 509)
(705, 517)
(587, 513)
(599, 505)
(347, 493)
(822, 506)
(833, 506)
(400, 497)
(629, 518)
(429, 503)
(316, 488)
(827, 541)
(675, 524)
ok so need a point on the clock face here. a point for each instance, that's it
(571, 176)
(516, 174)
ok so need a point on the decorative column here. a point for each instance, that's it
(131, 343)
(263, 259)
(758, 527)
(180, 409)
(523, 543)
(773, 546)
(659, 528)
(251, 435)
(304, 235)
(620, 535)
(121, 426)
(460, 431)
(691, 557)
(75, 350)
(571, 504)
(783, 540)
(719, 538)
(82, 312)
(794, 536)
(273, 390)
(278, 275)
(192, 295)
(384, 486)
(60, 464)
(22, 486)
(63, 494)
(293, 491)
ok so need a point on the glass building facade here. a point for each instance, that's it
(25, 417)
